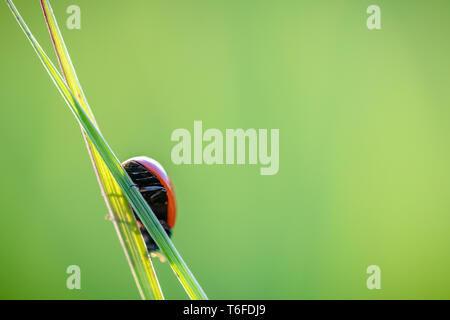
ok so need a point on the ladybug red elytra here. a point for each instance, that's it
(155, 186)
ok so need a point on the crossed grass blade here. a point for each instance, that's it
(131, 193)
(118, 206)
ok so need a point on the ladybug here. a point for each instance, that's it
(155, 186)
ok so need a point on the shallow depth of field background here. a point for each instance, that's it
(364, 146)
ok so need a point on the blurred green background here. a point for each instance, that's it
(364, 146)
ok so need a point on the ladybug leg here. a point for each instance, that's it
(157, 254)
(140, 225)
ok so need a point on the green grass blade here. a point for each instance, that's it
(141, 208)
(118, 206)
